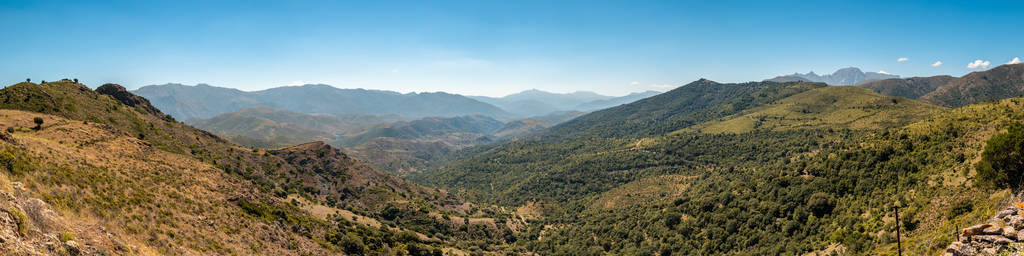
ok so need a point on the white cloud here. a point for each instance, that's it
(1015, 60)
(883, 72)
(296, 83)
(902, 59)
(396, 70)
(937, 63)
(634, 83)
(979, 64)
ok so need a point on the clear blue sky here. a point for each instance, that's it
(494, 47)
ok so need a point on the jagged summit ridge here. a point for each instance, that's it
(843, 76)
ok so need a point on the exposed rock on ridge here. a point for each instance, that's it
(994, 237)
(121, 94)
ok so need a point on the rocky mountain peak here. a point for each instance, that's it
(843, 76)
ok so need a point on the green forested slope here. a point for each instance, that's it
(833, 192)
(609, 140)
(690, 104)
(820, 173)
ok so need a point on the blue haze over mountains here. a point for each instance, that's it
(201, 101)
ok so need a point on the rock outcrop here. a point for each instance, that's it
(28, 226)
(994, 237)
(121, 94)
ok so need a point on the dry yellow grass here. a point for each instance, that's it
(643, 191)
(325, 212)
(130, 198)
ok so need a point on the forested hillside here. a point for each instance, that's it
(690, 104)
(745, 169)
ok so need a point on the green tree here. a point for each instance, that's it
(672, 219)
(821, 203)
(39, 122)
(1001, 162)
(351, 244)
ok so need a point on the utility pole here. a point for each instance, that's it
(899, 246)
(896, 209)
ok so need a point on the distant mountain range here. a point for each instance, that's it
(537, 103)
(204, 101)
(186, 102)
(846, 76)
(1001, 82)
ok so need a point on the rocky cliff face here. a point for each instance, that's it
(1001, 235)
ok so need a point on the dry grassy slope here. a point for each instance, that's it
(643, 192)
(834, 106)
(161, 183)
(269, 172)
(119, 194)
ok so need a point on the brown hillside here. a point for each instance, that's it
(1006, 81)
(153, 185)
(117, 194)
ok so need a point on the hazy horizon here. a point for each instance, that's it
(495, 49)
